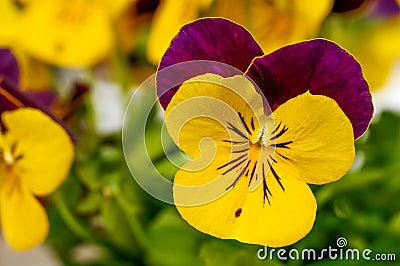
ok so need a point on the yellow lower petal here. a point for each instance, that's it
(319, 137)
(45, 149)
(23, 219)
(282, 219)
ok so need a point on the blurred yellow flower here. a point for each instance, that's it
(273, 23)
(9, 12)
(35, 156)
(69, 33)
(276, 23)
(375, 42)
(169, 17)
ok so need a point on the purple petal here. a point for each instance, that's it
(45, 97)
(384, 8)
(8, 65)
(321, 67)
(211, 39)
(12, 98)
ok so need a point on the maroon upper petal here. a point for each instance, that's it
(321, 67)
(211, 39)
(12, 98)
(8, 65)
(10, 95)
(384, 8)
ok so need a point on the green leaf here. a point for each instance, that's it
(116, 227)
(381, 146)
(88, 174)
(172, 241)
(90, 204)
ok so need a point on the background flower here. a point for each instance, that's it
(373, 27)
(64, 33)
(31, 165)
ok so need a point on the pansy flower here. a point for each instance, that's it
(36, 154)
(250, 182)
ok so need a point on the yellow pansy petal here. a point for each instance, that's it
(3, 169)
(204, 182)
(208, 105)
(9, 23)
(45, 149)
(169, 17)
(66, 33)
(24, 221)
(249, 216)
(236, 91)
(204, 4)
(315, 137)
(211, 118)
(114, 7)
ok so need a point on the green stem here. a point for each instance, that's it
(120, 65)
(79, 230)
(74, 225)
(133, 221)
